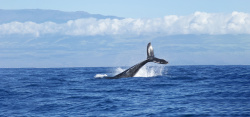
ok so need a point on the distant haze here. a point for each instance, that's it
(50, 38)
(40, 16)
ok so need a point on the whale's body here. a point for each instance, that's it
(134, 69)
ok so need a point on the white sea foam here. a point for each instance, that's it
(145, 71)
(100, 75)
(150, 71)
(118, 70)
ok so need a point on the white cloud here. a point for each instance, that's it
(197, 23)
(29, 28)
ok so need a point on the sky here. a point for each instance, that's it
(184, 32)
(133, 8)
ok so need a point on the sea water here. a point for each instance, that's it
(154, 91)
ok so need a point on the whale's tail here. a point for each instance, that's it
(134, 69)
(151, 57)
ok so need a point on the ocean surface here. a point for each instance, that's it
(155, 91)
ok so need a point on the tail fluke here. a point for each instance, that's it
(150, 51)
(151, 57)
(160, 61)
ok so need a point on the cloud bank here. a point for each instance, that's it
(197, 23)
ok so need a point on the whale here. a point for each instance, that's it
(134, 69)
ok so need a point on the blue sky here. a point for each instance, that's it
(133, 8)
(190, 32)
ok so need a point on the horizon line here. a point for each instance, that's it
(107, 66)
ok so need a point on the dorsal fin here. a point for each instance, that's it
(150, 51)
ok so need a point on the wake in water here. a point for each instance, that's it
(145, 71)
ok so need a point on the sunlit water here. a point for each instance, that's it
(155, 91)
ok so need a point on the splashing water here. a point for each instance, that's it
(118, 70)
(150, 71)
(145, 71)
(100, 75)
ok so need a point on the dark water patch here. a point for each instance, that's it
(179, 91)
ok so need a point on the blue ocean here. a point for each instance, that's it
(155, 91)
